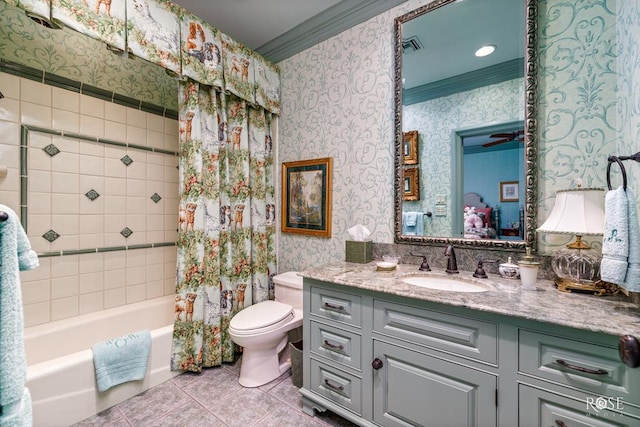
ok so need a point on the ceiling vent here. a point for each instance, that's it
(411, 44)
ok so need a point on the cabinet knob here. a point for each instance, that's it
(377, 364)
(629, 349)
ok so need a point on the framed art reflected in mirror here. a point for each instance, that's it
(306, 197)
(410, 147)
(411, 184)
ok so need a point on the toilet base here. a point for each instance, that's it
(260, 366)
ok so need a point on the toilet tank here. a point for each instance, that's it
(288, 288)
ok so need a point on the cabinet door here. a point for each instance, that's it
(415, 389)
(540, 408)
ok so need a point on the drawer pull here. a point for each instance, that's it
(333, 346)
(376, 364)
(333, 386)
(334, 307)
(581, 369)
(560, 423)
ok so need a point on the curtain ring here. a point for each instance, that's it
(624, 172)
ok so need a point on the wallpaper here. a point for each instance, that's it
(337, 100)
(64, 52)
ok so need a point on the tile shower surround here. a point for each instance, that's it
(82, 194)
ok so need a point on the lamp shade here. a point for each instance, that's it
(577, 211)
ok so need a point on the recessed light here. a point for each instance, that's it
(485, 50)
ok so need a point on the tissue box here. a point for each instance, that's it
(359, 251)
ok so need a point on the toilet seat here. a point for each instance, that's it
(260, 318)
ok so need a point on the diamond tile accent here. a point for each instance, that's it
(92, 194)
(156, 197)
(126, 160)
(126, 232)
(50, 235)
(51, 150)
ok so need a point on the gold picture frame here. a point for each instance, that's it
(306, 197)
(411, 184)
(410, 147)
(509, 191)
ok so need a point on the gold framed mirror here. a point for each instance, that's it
(523, 126)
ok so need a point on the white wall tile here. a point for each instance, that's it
(154, 289)
(10, 85)
(91, 148)
(36, 291)
(66, 100)
(35, 114)
(66, 162)
(136, 118)
(10, 110)
(114, 279)
(35, 92)
(9, 133)
(171, 127)
(62, 287)
(115, 113)
(115, 205)
(65, 120)
(91, 165)
(114, 298)
(62, 182)
(136, 135)
(37, 314)
(65, 266)
(65, 203)
(64, 308)
(39, 181)
(91, 263)
(136, 293)
(91, 282)
(91, 106)
(115, 186)
(66, 224)
(90, 303)
(115, 131)
(39, 203)
(10, 198)
(115, 261)
(92, 126)
(88, 241)
(91, 224)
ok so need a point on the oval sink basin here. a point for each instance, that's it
(446, 284)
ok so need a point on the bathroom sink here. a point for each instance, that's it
(448, 284)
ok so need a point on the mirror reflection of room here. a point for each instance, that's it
(468, 113)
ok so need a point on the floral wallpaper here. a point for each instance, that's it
(337, 100)
(63, 52)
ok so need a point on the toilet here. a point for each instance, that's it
(262, 330)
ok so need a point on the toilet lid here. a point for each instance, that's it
(265, 315)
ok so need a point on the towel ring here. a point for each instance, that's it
(624, 172)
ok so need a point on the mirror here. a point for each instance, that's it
(499, 125)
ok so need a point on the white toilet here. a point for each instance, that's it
(262, 330)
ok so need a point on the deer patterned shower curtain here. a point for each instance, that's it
(226, 237)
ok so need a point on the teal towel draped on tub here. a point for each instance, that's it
(121, 359)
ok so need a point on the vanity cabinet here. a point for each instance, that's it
(380, 359)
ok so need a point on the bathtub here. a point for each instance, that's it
(60, 374)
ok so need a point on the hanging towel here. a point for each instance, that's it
(632, 278)
(412, 223)
(15, 255)
(615, 238)
(411, 219)
(121, 359)
(18, 414)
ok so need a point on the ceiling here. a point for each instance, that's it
(278, 29)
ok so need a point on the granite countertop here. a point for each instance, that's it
(615, 315)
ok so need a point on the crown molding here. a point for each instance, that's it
(494, 74)
(332, 21)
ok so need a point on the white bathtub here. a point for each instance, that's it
(61, 377)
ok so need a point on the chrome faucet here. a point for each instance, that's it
(452, 264)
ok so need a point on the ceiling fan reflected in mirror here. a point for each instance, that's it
(505, 137)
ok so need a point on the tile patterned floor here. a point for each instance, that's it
(214, 398)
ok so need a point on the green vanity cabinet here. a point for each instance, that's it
(383, 359)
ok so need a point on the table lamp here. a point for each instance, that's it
(578, 211)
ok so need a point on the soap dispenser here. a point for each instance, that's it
(528, 271)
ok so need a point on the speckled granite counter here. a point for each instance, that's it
(612, 315)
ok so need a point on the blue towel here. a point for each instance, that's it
(15, 255)
(18, 414)
(615, 238)
(632, 278)
(412, 223)
(121, 359)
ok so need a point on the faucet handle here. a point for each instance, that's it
(480, 273)
(425, 264)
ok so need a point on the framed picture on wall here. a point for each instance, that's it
(410, 147)
(509, 191)
(306, 197)
(411, 184)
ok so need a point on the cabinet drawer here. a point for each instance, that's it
(338, 306)
(336, 385)
(463, 336)
(335, 344)
(590, 367)
(540, 408)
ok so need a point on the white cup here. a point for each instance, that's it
(528, 276)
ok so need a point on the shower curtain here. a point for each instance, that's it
(226, 235)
